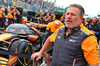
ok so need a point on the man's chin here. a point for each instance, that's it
(70, 26)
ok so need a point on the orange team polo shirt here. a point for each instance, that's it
(89, 47)
(53, 27)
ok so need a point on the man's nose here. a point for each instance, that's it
(68, 16)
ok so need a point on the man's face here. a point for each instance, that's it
(94, 20)
(47, 14)
(13, 11)
(52, 14)
(72, 18)
(41, 16)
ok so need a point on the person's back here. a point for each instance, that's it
(53, 26)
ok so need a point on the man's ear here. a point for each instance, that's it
(81, 17)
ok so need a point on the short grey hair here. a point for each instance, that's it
(81, 9)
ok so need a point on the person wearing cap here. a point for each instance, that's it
(2, 18)
(51, 28)
(74, 44)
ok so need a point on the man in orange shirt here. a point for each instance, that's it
(47, 17)
(74, 44)
(11, 16)
(2, 18)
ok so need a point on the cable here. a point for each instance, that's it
(20, 61)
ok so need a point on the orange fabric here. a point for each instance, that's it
(61, 18)
(38, 18)
(9, 15)
(32, 38)
(53, 36)
(0, 15)
(74, 62)
(89, 46)
(53, 27)
(90, 49)
(18, 12)
(12, 60)
(54, 18)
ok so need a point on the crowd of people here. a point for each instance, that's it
(74, 44)
(40, 3)
(11, 17)
(68, 31)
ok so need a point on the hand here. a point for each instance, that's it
(37, 55)
(93, 31)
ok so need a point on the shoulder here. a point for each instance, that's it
(51, 23)
(86, 31)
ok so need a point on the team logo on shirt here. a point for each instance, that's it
(71, 40)
(58, 37)
(74, 37)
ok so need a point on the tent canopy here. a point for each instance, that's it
(61, 11)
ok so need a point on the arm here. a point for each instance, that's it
(91, 51)
(46, 45)
(38, 55)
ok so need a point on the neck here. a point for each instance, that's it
(69, 29)
(93, 23)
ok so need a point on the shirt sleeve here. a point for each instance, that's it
(53, 36)
(48, 27)
(90, 49)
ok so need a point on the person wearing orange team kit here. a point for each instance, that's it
(51, 18)
(51, 28)
(18, 15)
(74, 44)
(42, 20)
(2, 18)
(47, 17)
(63, 18)
(11, 16)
